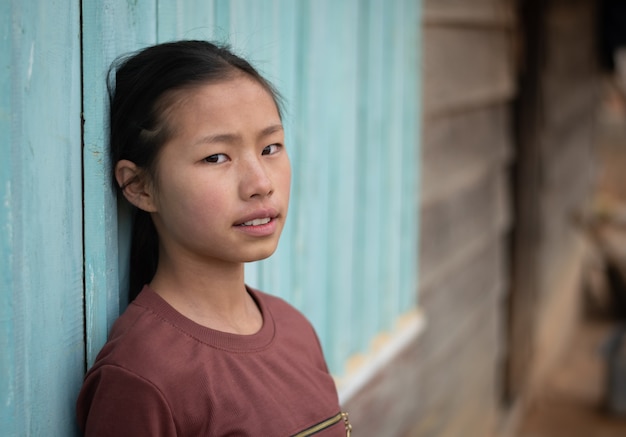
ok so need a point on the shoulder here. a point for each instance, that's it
(142, 342)
(116, 401)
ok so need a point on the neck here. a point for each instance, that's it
(212, 293)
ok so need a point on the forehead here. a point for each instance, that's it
(239, 93)
(235, 106)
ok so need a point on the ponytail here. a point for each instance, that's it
(144, 253)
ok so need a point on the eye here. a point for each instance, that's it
(218, 158)
(271, 149)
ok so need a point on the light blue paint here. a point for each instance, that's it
(185, 19)
(348, 256)
(412, 122)
(41, 320)
(111, 28)
(339, 108)
(372, 226)
(8, 381)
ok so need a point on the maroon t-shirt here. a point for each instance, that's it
(161, 374)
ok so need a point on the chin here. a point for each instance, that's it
(260, 255)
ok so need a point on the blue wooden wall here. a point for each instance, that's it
(349, 72)
(41, 258)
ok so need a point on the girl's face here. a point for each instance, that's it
(223, 179)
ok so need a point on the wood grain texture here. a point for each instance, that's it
(476, 212)
(553, 183)
(42, 316)
(461, 148)
(480, 13)
(465, 213)
(110, 29)
(466, 67)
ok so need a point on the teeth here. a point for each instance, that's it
(257, 222)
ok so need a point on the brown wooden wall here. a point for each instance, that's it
(469, 86)
(509, 94)
(553, 183)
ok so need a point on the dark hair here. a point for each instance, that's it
(140, 93)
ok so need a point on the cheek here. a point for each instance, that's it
(193, 195)
(285, 177)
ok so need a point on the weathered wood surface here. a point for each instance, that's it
(466, 214)
(462, 148)
(481, 13)
(41, 267)
(466, 67)
(109, 29)
(453, 224)
(553, 185)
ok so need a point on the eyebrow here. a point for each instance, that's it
(232, 138)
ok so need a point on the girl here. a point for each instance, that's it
(197, 147)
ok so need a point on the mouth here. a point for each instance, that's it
(259, 224)
(259, 217)
(256, 222)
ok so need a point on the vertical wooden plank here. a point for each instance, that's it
(411, 168)
(388, 82)
(358, 316)
(8, 386)
(221, 12)
(185, 19)
(405, 169)
(42, 316)
(312, 181)
(370, 226)
(341, 149)
(110, 29)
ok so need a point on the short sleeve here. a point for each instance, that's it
(116, 402)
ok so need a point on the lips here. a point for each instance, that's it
(257, 218)
(257, 222)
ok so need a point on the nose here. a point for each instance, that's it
(255, 179)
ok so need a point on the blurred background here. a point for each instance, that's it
(523, 185)
(522, 209)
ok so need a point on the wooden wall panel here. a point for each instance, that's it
(41, 273)
(452, 224)
(466, 67)
(472, 288)
(569, 99)
(109, 29)
(461, 148)
(452, 379)
(554, 184)
(496, 13)
(466, 214)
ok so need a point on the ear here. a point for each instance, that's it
(135, 185)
